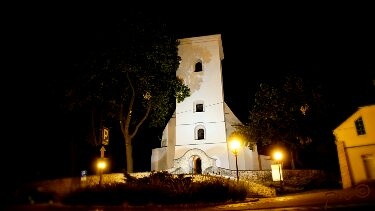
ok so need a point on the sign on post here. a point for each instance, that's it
(277, 173)
(102, 150)
(105, 138)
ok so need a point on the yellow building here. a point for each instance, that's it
(355, 141)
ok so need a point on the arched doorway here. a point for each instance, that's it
(196, 164)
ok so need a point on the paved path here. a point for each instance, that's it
(362, 197)
(312, 200)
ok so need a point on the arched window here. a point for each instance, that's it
(200, 132)
(198, 67)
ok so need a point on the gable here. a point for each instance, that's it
(362, 111)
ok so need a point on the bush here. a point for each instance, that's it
(97, 195)
(29, 196)
(160, 188)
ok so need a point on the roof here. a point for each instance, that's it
(230, 117)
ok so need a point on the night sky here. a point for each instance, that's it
(332, 44)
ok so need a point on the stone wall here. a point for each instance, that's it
(297, 177)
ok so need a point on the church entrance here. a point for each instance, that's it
(196, 164)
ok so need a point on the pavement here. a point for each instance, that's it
(310, 200)
(333, 199)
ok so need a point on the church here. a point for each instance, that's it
(196, 138)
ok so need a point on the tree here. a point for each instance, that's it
(282, 114)
(131, 78)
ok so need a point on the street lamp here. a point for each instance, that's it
(235, 146)
(101, 165)
(278, 156)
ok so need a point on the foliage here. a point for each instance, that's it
(242, 134)
(160, 188)
(165, 188)
(29, 196)
(131, 78)
(105, 195)
(283, 114)
(302, 184)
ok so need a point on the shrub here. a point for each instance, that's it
(96, 195)
(160, 188)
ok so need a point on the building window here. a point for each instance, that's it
(199, 132)
(198, 67)
(359, 126)
(199, 106)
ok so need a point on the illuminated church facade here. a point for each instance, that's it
(196, 138)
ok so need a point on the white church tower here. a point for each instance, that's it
(195, 139)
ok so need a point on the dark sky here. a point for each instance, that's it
(330, 43)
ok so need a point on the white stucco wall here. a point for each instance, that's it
(215, 133)
(217, 119)
(205, 85)
(217, 151)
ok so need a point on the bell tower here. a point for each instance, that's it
(195, 138)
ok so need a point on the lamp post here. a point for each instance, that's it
(278, 156)
(235, 146)
(101, 165)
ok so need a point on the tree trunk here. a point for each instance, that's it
(125, 126)
(129, 153)
(298, 161)
(292, 160)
